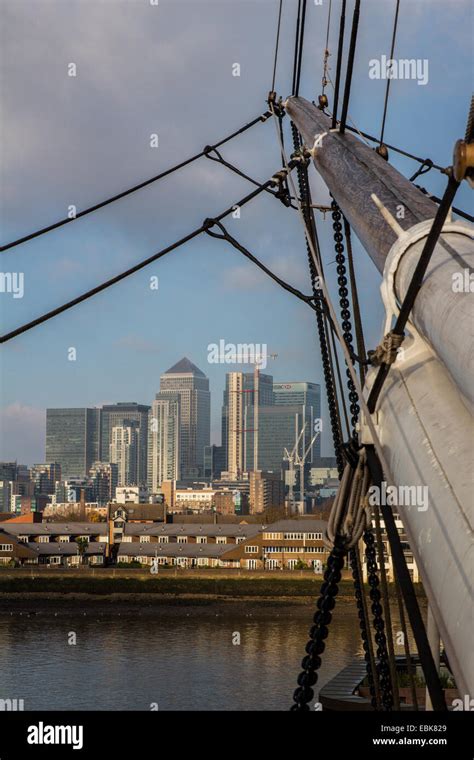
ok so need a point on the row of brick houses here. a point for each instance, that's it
(284, 544)
(132, 536)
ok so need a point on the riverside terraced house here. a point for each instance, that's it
(286, 544)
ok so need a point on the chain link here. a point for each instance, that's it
(319, 631)
(383, 667)
(345, 309)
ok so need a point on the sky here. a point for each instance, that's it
(166, 69)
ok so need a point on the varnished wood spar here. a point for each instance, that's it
(353, 171)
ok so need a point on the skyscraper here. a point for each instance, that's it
(104, 481)
(278, 428)
(45, 477)
(308, 397)
(126, 414)
(186, 381)
(125, 453)
(73, 439)
(238, 396)
(163, 440)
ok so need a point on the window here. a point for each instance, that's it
(23, 539)
(239, 539)
(251, 564)
(251, 549)
(201, 539)
(314, 536)
(54, 560)
(144, 539)
(63, 539)
(43, 539)
(182, 539)
(221, 540)
(293, 536)
(272, 536)
(162, 539)
(6, 547)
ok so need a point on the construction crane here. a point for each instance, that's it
(293, 459)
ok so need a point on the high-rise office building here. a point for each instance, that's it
(163, 441)
(238, 396)
(126, 414)
(278, 426)
(104, 481)
(308, 397)
(188, 382)
(45, 477)
(73, 439)
(214, 462)
(125, 453)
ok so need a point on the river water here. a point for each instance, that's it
(165, 657)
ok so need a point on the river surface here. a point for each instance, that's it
(168, 657)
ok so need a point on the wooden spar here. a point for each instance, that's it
(353, 172)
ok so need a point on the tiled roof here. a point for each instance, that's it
(189, 529)
(137, 549)
(55, 547)
(308, 525)
(56, 529)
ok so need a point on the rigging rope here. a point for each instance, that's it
(209, 223)
(350, 66)
(218, 158)
(386, 609)
(277, 44)
(295, 58)
(119, 277)
(387, 89)
(300, 52)
(340, 48)
(324, 80)
(134, 189)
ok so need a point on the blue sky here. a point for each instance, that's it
(167, 69)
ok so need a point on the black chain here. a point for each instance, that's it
(364, 634)
(383, 668)
(303, 186)
(345, 312)
(319, 631)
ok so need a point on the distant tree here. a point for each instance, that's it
(82, 548)
(273, 514)
(70, 515)
(94, 517)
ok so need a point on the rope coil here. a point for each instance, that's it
(387, 351)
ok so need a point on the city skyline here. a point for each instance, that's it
(216, 412)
